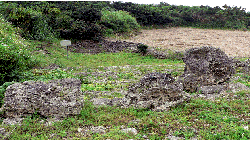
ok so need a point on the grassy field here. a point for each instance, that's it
(109, 75)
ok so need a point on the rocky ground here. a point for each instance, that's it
(206, 72)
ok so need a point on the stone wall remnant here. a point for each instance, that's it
(56, 98)
(206, 66)
(156, 91)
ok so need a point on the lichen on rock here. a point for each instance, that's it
(56, 98)
(156, 91)
(206, 66)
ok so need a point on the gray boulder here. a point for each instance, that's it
(101, 101)
(56, 98)
(235, 87)
(215, 89)
(206, 66)
(156, 91)
(130, 130)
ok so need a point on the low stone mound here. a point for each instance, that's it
(87, 46)
(206, 66)
(156, 91)
(56, 98)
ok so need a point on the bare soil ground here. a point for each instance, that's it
(234, 43)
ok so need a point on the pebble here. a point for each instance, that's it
(246, 127)
(130, 130)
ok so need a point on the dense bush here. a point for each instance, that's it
(118, 21)
(41, 20)
(14, 56)
(33, 23)
(145, 14)
(196, 16)
(65, 19)
(79, 20)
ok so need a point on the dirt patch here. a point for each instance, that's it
(234, 43)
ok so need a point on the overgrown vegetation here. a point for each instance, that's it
(109, 74)
(200, 119)
(95, 19)
(15, 56)
(196, 16)
(118, 22)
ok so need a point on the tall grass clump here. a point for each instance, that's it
(118, 22)
(14, 55)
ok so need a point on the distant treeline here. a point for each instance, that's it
(196, 16)
(43, 20)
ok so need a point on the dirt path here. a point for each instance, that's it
(234, 43)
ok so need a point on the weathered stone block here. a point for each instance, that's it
(56, 98)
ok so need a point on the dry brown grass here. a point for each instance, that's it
(234, 43)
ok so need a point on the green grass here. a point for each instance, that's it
(104, 59)
(200, 118)
(244, 79)
(224, 118)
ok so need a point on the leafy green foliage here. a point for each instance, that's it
(93, 20)
(118, 21)
(244, 79)
(196, 16)
(69, 20)
(33, 23)
(142, 48)
(14, 55)
(45, 75)
(145, 14)
(79, 20)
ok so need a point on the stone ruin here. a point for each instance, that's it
(156, 91)
(207, 71)
(56, 98)
(206, 67)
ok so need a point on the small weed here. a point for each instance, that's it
(84, 79)
(98, 87)
(175, 73)
(242, 93)
(45, 74)
(142, 48)
(244, 79)
(129, 75)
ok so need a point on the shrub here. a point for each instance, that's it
(83, 30)
(79, 20)
(118, 21)
(33, 23)
(14, 56)
(196, 16)
(142, 48)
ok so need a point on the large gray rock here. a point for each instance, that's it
(235, 87)
(156, 91)
(56, 98)
(206, 66)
